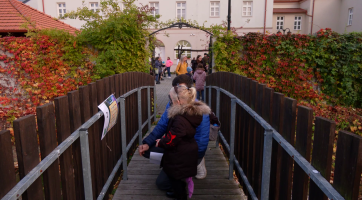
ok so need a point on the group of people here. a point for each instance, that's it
(182, 135)
(197, 72)
(158, 68)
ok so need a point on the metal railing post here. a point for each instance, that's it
(267, 153)
(149, 108)
(232, 138)
(139, 95)
(87, 176)
(217, 112)
(154, 103)
(123, 136)
(205, 95)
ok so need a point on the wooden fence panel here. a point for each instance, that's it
(303, 146)
(238, 120)
(347, 173)
(252, 138)
(267, 113)
(246, 126)
(117, 137)
(75, 123)
(85, 112)
(259, 142)
(108, 137)
(48, 142)
(66, 160)
(277, 124)
(96, 138)
(288, 133)
(26, 142)
(7, 171)
(103, 152)
(322, 154)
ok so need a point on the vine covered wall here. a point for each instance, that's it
(35, 70)
(323, 71)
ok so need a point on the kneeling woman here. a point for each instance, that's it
(180, 158)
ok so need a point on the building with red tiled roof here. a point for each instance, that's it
(13, 14)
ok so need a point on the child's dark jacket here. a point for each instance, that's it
(181, 151)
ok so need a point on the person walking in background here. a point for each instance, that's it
(189, 72)
(158, 64)
(182, 66)
(205, 61)
(198, 60)
(200, 77)
(169, 63)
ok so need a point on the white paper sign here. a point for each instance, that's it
(156, 158)
(109, 107)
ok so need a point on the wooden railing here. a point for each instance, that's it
(60, 176)
(300, 157)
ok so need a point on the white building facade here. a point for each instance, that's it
(246, 16)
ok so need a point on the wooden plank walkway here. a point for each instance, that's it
(142, 174)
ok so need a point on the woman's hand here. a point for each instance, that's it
(157, 141)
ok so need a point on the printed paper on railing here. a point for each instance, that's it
(109, 107)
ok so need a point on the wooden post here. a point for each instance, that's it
(26, 142)
(288, 133)
(48, 142)
(322, 154)
(7, 171)
(66, 160)
(303, 146)
(75, 123)
(348, 165)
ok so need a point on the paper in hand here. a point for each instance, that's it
(156, 158)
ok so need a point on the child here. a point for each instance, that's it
(189, 70)
(199, 77)
(180, 158)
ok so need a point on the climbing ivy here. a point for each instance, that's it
(118, 34)
(323, 71)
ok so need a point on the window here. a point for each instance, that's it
(185, 45)
(280, 23)
(156, 10)
(61, 9)
(215, 9)
(298, 23)
(350, 16)
(94, 6)
(247, 8)
(181, 10)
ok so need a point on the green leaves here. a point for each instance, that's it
(120, 36)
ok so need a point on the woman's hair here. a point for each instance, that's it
(157, 58)
(168, 57)
(200, 66)
(182, 58)
(184, 93)
(197, 59)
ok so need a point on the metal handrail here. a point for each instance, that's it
(269, 134)
(82, 133)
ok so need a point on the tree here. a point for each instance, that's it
(118, 34)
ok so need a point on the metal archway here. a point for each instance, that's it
(181, 25)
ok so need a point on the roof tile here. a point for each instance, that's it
(13, 14)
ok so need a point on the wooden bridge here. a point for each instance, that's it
(142, 177)
(268, 146)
